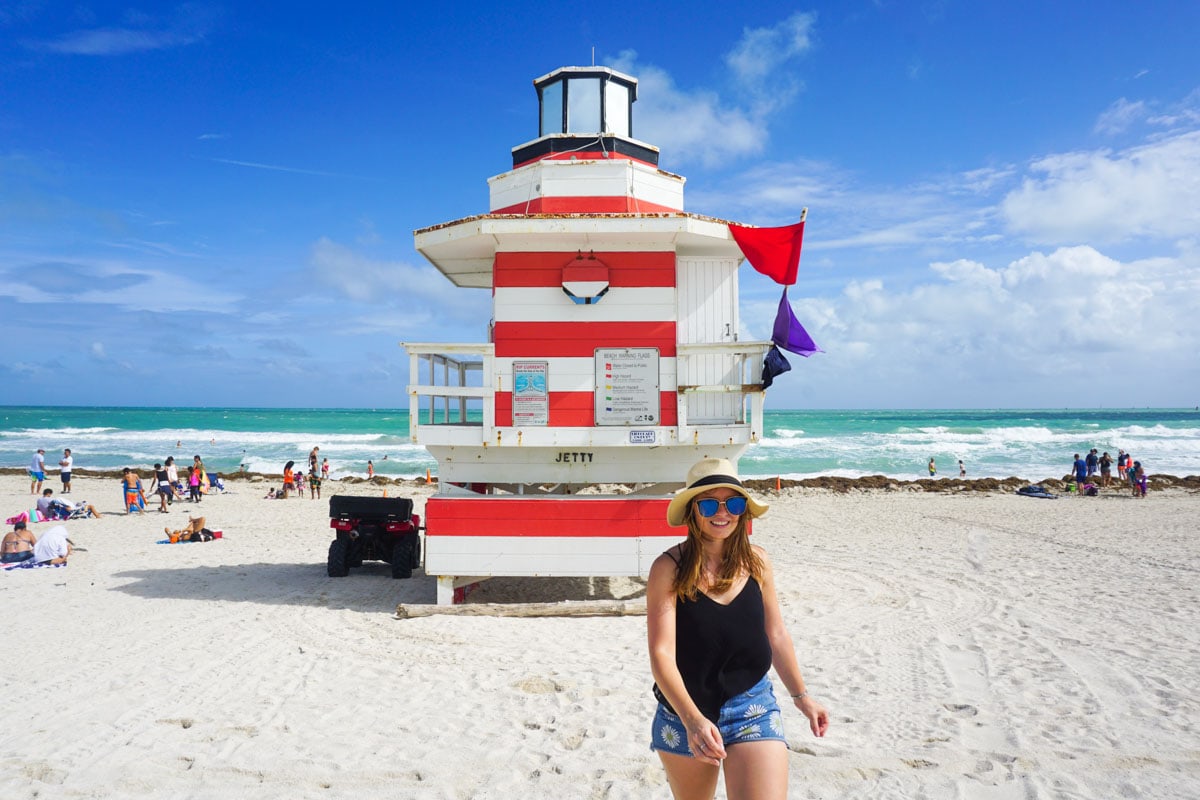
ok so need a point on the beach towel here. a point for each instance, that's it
(213, 536)
(32, 515)
(30, 564)
(1036, 491)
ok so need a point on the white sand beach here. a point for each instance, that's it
(967, 645)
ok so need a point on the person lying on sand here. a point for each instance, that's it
(194, 531)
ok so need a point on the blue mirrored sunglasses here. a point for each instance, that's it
(735, 505)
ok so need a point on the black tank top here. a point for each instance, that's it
(720, 650)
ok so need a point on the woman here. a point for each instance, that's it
(172, 479)
(161, 485)
(289, 479)
(715, 629)
(17, 545)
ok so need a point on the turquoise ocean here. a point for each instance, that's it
(1031, 444)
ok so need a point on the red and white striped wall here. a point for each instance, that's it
(536, 320)
(602, 186)
(508, 535)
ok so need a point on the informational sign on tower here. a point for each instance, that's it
(627, 386)
(530, 397)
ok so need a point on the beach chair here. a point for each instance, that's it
(215, 482)
(80, 511)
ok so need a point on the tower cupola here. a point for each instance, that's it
(585, 112)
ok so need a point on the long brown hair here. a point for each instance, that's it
(738, 559)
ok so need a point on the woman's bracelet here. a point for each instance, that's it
(800, 696)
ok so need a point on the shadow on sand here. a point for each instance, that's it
(367, 588)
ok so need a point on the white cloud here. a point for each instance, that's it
(692, 125)
(1120, 116)
(1152, 190)
(187, 24)
(114, 41)
(420, 296)
(113, 284)
(1072, 324)
(279, 168)
(762, 51)
(689, 125)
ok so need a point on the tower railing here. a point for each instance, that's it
(452, 386)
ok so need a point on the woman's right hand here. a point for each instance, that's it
(704, 740)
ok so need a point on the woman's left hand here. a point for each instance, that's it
(818, 717)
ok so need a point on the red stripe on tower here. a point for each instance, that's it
(578, 410)
(586, 205)
(514, 516)
(580, 339)
(546, 269)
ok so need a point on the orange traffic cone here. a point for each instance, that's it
(777, 483)
(385, 491)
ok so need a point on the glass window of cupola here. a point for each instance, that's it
(616, 108)
(552, 108)
(583, 105)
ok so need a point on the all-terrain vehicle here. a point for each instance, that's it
(379, 528)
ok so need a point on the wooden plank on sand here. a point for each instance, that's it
(578, 608)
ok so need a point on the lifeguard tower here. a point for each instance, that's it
(612, 356)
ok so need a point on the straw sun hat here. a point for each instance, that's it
(705, 475)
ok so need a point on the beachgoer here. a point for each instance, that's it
(1092, 461)
(370, 470)
(64, 467)
(53, 546)
(325, 469)
(962, 470)
(131, 485)
(83, 507)
(37, 471)
(52, 508)
(194, 485)
(314, 485)
(161, 485)
(1080, 467)
(270, 495)
(313, 455)
(932, 468)
(45, 504)
(17, 545)
(1122, 464)
(299, 476)
(1106, 462)
(172, 479)
(1138, 479)
(715, 629)
(199, 465)
(289, 478)
(194, 531)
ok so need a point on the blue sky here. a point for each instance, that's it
(213, 204)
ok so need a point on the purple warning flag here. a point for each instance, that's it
(789, 333)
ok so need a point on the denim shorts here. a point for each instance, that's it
(752, 716)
